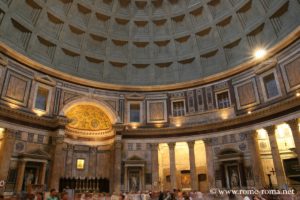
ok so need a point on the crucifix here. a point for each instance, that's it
(269, 176)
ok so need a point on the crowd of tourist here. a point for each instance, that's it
(166, 195)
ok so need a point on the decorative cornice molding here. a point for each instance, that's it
(260, 115)
(27, 118)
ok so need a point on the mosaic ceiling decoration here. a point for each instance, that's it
(88, 118)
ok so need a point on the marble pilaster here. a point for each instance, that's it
(258, 173)
(58, 163)
(92, 162)
(209, 163)
(155, 167)
(7, 147)
(117, 166)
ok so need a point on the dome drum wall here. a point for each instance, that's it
(270, 86)
(144, 42)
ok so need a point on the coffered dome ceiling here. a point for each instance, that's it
(144, 42)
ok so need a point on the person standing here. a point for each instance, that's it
(53, 195)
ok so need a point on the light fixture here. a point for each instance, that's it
(178, 124)
(249, 112)
(158, 125)
(260, 53)
(39, 112)
(298, 94)
(13, 106)
(134, 126)
(2, 133)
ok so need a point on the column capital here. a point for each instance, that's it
(154, 147)
(293, 123)
(93, 150)
(252, 134)
(270, 129)
(172, 145)
(59, 139)
(207, 141)
(191, 144)
(118, 144)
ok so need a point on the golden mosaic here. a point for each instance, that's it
(88, 118)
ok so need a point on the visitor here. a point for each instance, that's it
(38, 196)
(64, 196)
(53, 195)
(231, 196)
(161, 196)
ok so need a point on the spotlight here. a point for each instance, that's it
(298, 94)
(39, 113)
(178, 124)
(260, 53)
(249, 112)
(2, 130)
(134, 126)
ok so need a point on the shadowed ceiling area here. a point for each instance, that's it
(144, 42)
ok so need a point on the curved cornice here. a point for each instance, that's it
(26, 118)
(101, 85)
(263, 115)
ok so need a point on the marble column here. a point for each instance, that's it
(256, 164)
(58, 163)
(193, 172)
(294, 126)
(281, 180)
(172, 165)
(42, 174)
(7, 147)
(118, 162)
(20, 177)
(209, 163)
(155, 167)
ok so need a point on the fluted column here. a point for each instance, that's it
(7, 142)
(294, 126)
(172, 165)
(281, 180)
(58, 162)
(20, 177)
(117, 167)
(193, 172)
(209, 163)
(155, 167)
(258, 173)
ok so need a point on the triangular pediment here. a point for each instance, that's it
(134, 96)
(135, 158)
(37, 154)
(46, 80)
